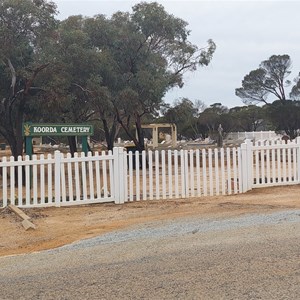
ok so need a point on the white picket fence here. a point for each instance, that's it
(273, 163)
(117, 176)
(57, 180)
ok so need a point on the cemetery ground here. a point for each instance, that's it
(58, 226)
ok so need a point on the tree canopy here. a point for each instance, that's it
(115, 70)
(268, 80)
(25, 28)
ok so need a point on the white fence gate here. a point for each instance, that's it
(272, 163)
(117, 176)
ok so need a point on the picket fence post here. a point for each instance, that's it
(247, 165)
(57, 186)
(120, 175)
(298, 157)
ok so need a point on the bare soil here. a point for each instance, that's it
(59, 226)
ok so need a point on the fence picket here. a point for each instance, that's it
(273, 163)
(91, 176)
(284, 165)
(217, 179)
(278, 152)
(163, 174)
(234, 167)
(20, 182)
(137, 176)
(63, 181)
(49, 169)
(295, 164)
(104, 176)
(151, 175)
(4, 181)
(77, 179)
(198, 176)
(192, 180)
(204, 176)
(110, 170)
(34, 180)
(144, 170)
(97, 174)
(70, 178)
(289, 166)
(12, 181)
(182, 173)
(239, 157)
(130, 167)
(176, 174)
(156, 175)
(186, 173)
(42, 178)
(27, 182)
(210, 172)
(228, 171)
(170, 179)
(223, 180)
(268, 166)
(83, 176)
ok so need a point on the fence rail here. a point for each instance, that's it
(117, 176)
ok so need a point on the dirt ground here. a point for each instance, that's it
(59, 226)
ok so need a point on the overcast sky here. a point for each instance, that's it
(246, 33)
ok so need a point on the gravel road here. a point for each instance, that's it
(254, 256)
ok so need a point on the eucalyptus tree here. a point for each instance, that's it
(120, 68)
(25, 28)
(269, 80)
(139, 56)
(152, 52)
(75, 61)
(268, 85)
(85, 76)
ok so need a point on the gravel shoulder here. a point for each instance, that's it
(61, 226)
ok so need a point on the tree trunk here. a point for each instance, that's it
(72, 145)
(139, 141)
(110, 134)
(140, 134)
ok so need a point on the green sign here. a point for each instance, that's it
(57, 129)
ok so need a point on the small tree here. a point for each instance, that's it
(247, 118)
(285, 116)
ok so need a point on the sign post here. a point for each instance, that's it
(31, 129)
(28, 146)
